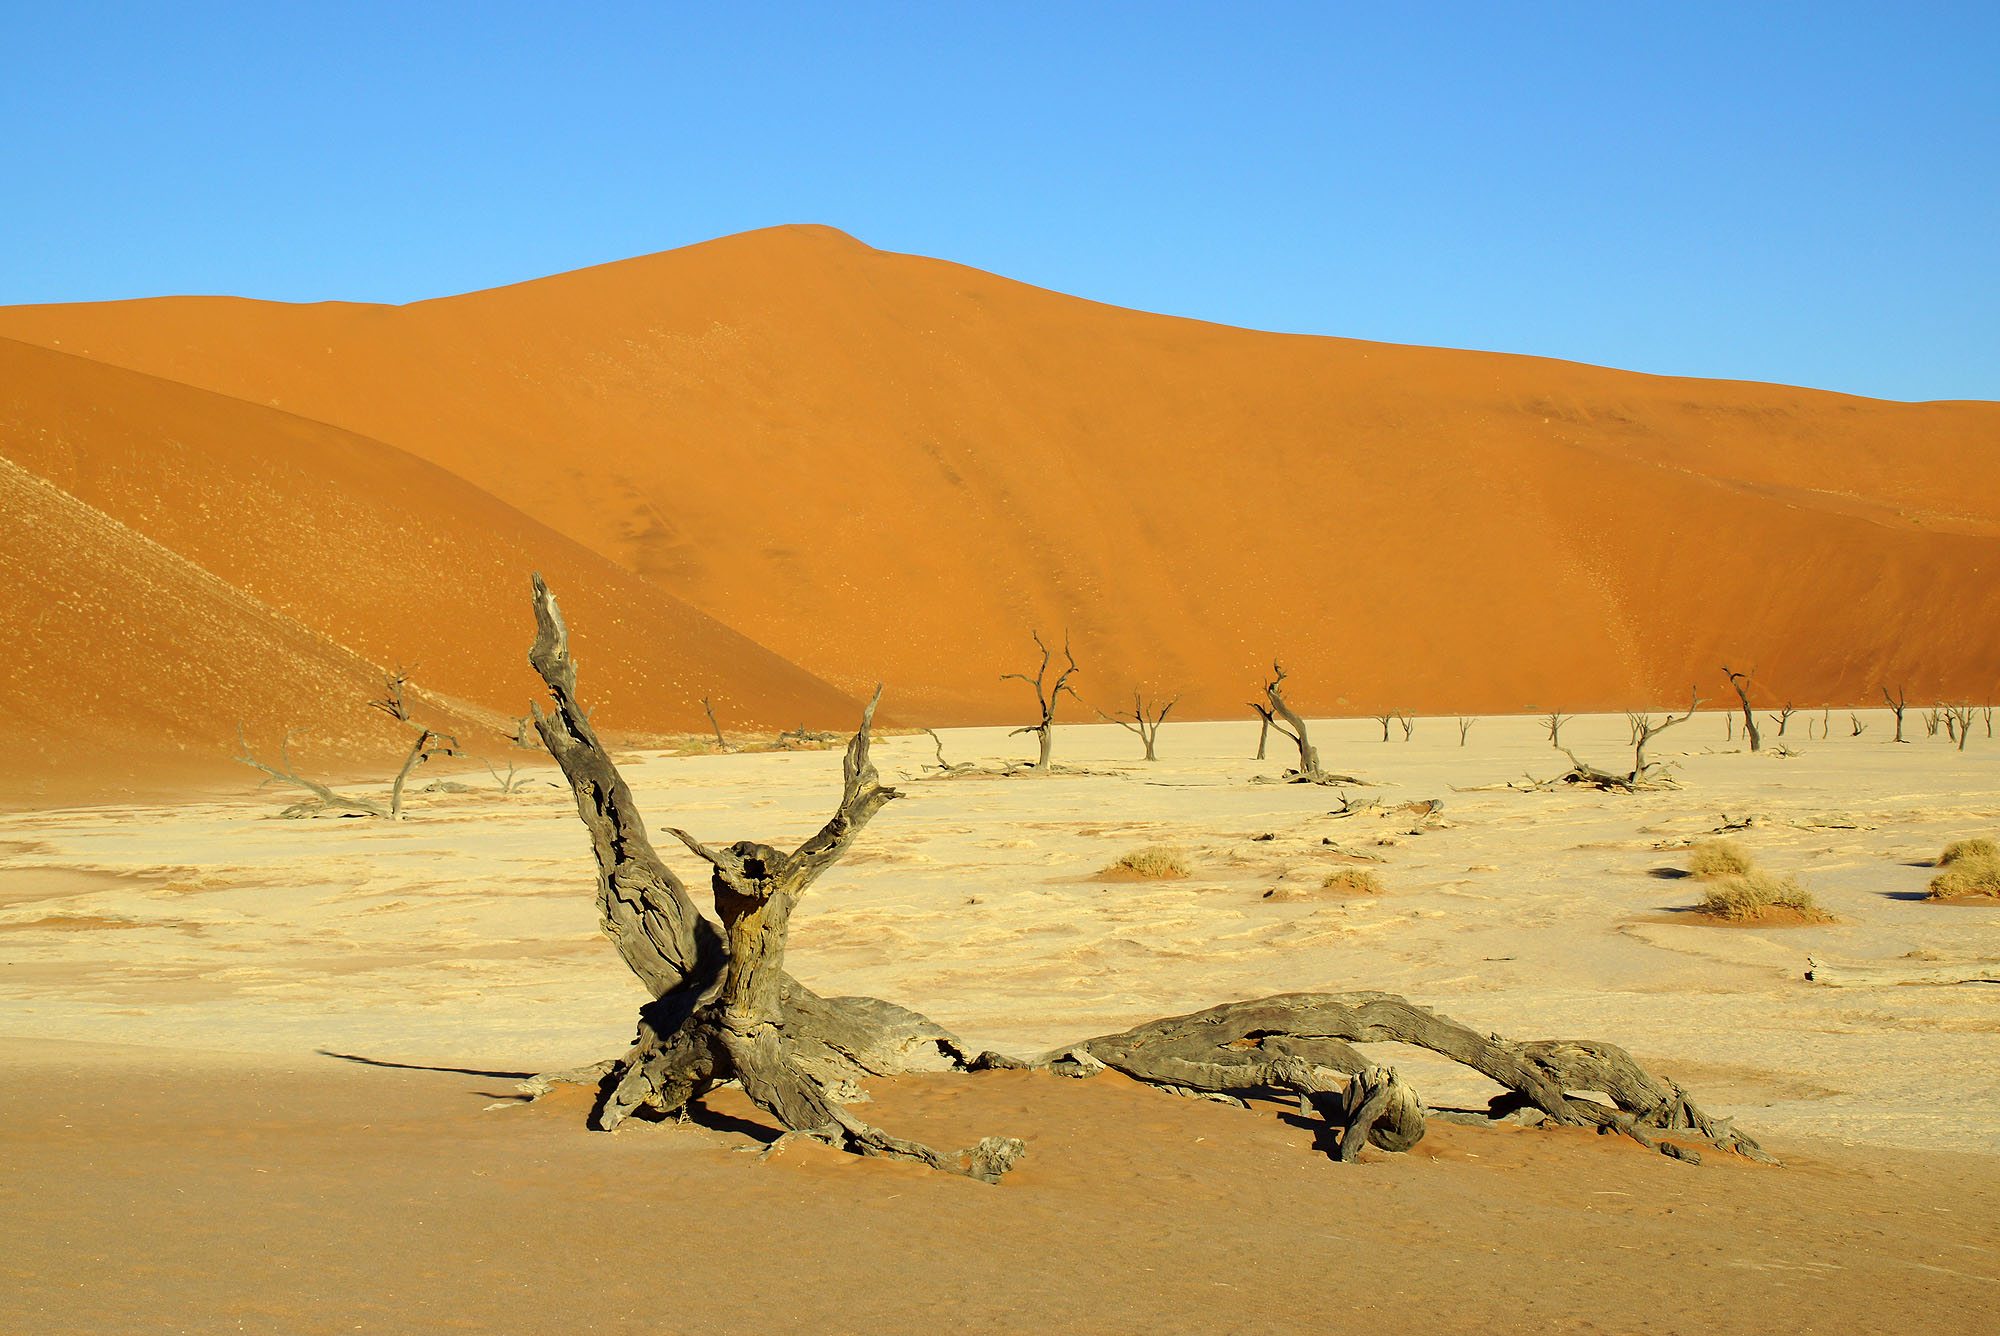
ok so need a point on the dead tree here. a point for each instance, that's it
(1553, 721)
(724, 1009)
(427, 745)
(391, 703)
(1146, 724)
(1263, 728)
(1854, 722)
(523, 735)
(323, 799)
(1464, 727)
(1741, 681)
(1644, 730)
(1961, 718)
(1825, 723)
(1294, 728)
(508, 783)
(1046, 696)
(720, 741)
(1408, 722)
(1783, 717)
(1385, 720)
(1931, 717)
(1898, 702)
(1988, 711)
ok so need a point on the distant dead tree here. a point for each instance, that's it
(722, 1007)
(392, 703)
(1408, 721)
(1292, 726)
(1464, 727)
(427, 745)
(1854, 720)
(1783, 717)
(1741, 681)
(1385, 720)
(508, 782)
(1931, 718)
(324, 799)
(1645, 730)
(1988, 711)
(1553, 721)
(1898, 702)
(1263, 727)
(1825, 722)
(709, 710)
(1046, 696)
(1961, 717)
(1144, 720)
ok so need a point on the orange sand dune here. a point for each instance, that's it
(193, 561)
(885, 466)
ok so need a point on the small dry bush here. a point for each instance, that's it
(1155, 860)
(1968, 874)
(1977, 851)
(1718, 858)
(1353, 881)
(1746, 896)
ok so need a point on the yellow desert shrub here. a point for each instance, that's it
(1718, 858)
(1746, 896)
(1352, 881)
(1155, 860)
(1971, 867)
(1959, 851)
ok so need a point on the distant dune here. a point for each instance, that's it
(781, 466)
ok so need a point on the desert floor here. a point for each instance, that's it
(259, 1071)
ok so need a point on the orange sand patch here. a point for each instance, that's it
(321, 1199)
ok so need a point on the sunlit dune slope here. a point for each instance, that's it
(885, 466)
(194, 561)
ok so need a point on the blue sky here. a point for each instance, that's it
(1806, 193)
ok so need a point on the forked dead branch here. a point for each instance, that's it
(724, 1009)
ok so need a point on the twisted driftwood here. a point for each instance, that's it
(724, 1009)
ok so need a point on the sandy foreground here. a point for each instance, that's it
(259, 1072)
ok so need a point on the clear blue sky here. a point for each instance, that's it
(1807, 193)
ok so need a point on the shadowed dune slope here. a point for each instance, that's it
(192, 561)
(885, 466)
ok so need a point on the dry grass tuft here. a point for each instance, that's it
(1719, 858)
(1748, 896)
(1977, 851)
(1353, 881)
(1969, 874)
(1154, 861)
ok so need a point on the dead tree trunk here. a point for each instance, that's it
(1854, 722)
(1263, 727)
(1961, 719)
(1294, 727)
(1783, 717)
(1898, 702)
(724, 1009)
(427, 745)
(1046, 697)
(1464, 727)
(1930, 718)
(1408, 722)
(1143, 722)
(1554, 721)
(1385, 720)
(720, 741)
(1741, 681)
(1644, 730)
